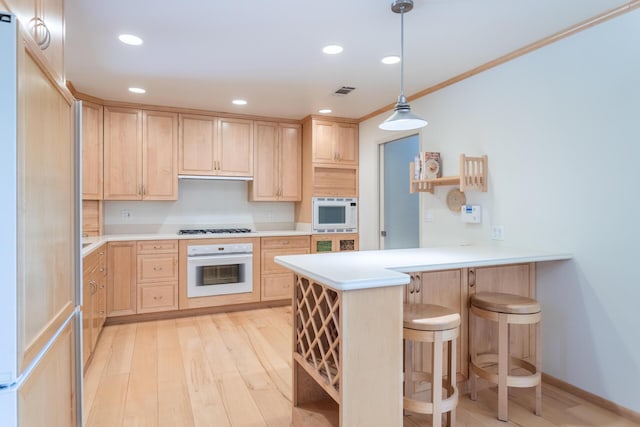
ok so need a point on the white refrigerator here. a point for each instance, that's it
(40, 320)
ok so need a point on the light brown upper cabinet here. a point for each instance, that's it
(140, 152)
(335, 142)
(44, 20)
(213, 146)
(91, 151)
(277, 162)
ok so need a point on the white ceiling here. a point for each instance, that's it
(202, 54)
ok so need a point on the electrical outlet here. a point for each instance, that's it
(428, 215)
(497, 232)
(125, 214)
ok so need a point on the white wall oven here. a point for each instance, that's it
(219, 269)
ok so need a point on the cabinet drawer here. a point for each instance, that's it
(95, 261)
(268, 264)
(157, 246)
(285, 242)
(157, 297)
(157, 268)
(277, 286)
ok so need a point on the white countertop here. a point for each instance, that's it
(345, 271)
(94, 242)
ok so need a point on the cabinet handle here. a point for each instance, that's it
(101, 253)
(140, 189)
(419, 282)
(157, 298)
(472, 278)
(38, 26)
(101, 312)
(144, 190)
(157, 247)
(157, 268)
(411, 288)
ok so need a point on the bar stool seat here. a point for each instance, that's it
(431, 324)
(506, 310)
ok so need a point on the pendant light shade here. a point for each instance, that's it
(402, 117)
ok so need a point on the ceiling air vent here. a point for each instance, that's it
(344, 90)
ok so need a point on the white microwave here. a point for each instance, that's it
(335, 215)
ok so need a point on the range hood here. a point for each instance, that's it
(216, 178)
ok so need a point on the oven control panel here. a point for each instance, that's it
(208, 250)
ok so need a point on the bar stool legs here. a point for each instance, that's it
(505, 309)
(433, 324)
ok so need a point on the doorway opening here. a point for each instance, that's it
(399, 209)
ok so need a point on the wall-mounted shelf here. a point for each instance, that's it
(473, 176)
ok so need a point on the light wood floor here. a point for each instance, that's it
(234, 369)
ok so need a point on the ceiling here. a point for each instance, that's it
(202, 54)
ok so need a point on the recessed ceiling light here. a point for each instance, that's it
(324, 111)
(332, 49)
(137, 90)
(239, 102)
(130, 39)
(392, 59)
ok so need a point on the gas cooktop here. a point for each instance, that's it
(215, 231)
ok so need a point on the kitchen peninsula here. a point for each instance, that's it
(347, 355)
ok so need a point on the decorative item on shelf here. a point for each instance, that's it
(427, 165)
(402, 117)
(473, 176)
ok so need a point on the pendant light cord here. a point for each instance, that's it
(402, 54)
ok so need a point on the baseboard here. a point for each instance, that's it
(592, 398)
(175, 314)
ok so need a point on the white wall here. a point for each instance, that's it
(200, 202)
(561, 127)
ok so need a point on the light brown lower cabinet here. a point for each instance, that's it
(449, 289)
(452, 289)
(517, 279)
(276, 280)
(94, 302)
(334, 242)
(121, 280)
(48, 395)
(157, 275)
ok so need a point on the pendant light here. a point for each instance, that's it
(402, 117)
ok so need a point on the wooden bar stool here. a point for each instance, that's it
(433, 324)
(505, 309)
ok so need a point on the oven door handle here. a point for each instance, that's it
(218, 257)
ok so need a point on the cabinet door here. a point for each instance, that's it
(45, 207)
(322, 243)
(290, 164)
(91, 151)
(265, 184)
(121, 283)
(196, 145)
(235, 147)
(346, 242)
(48, 395)
(122, 154)
(346, 143)
(99, 302)
(159, 156)
(446, 288)
(516, 279)
(87, 310)
(323, 142)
